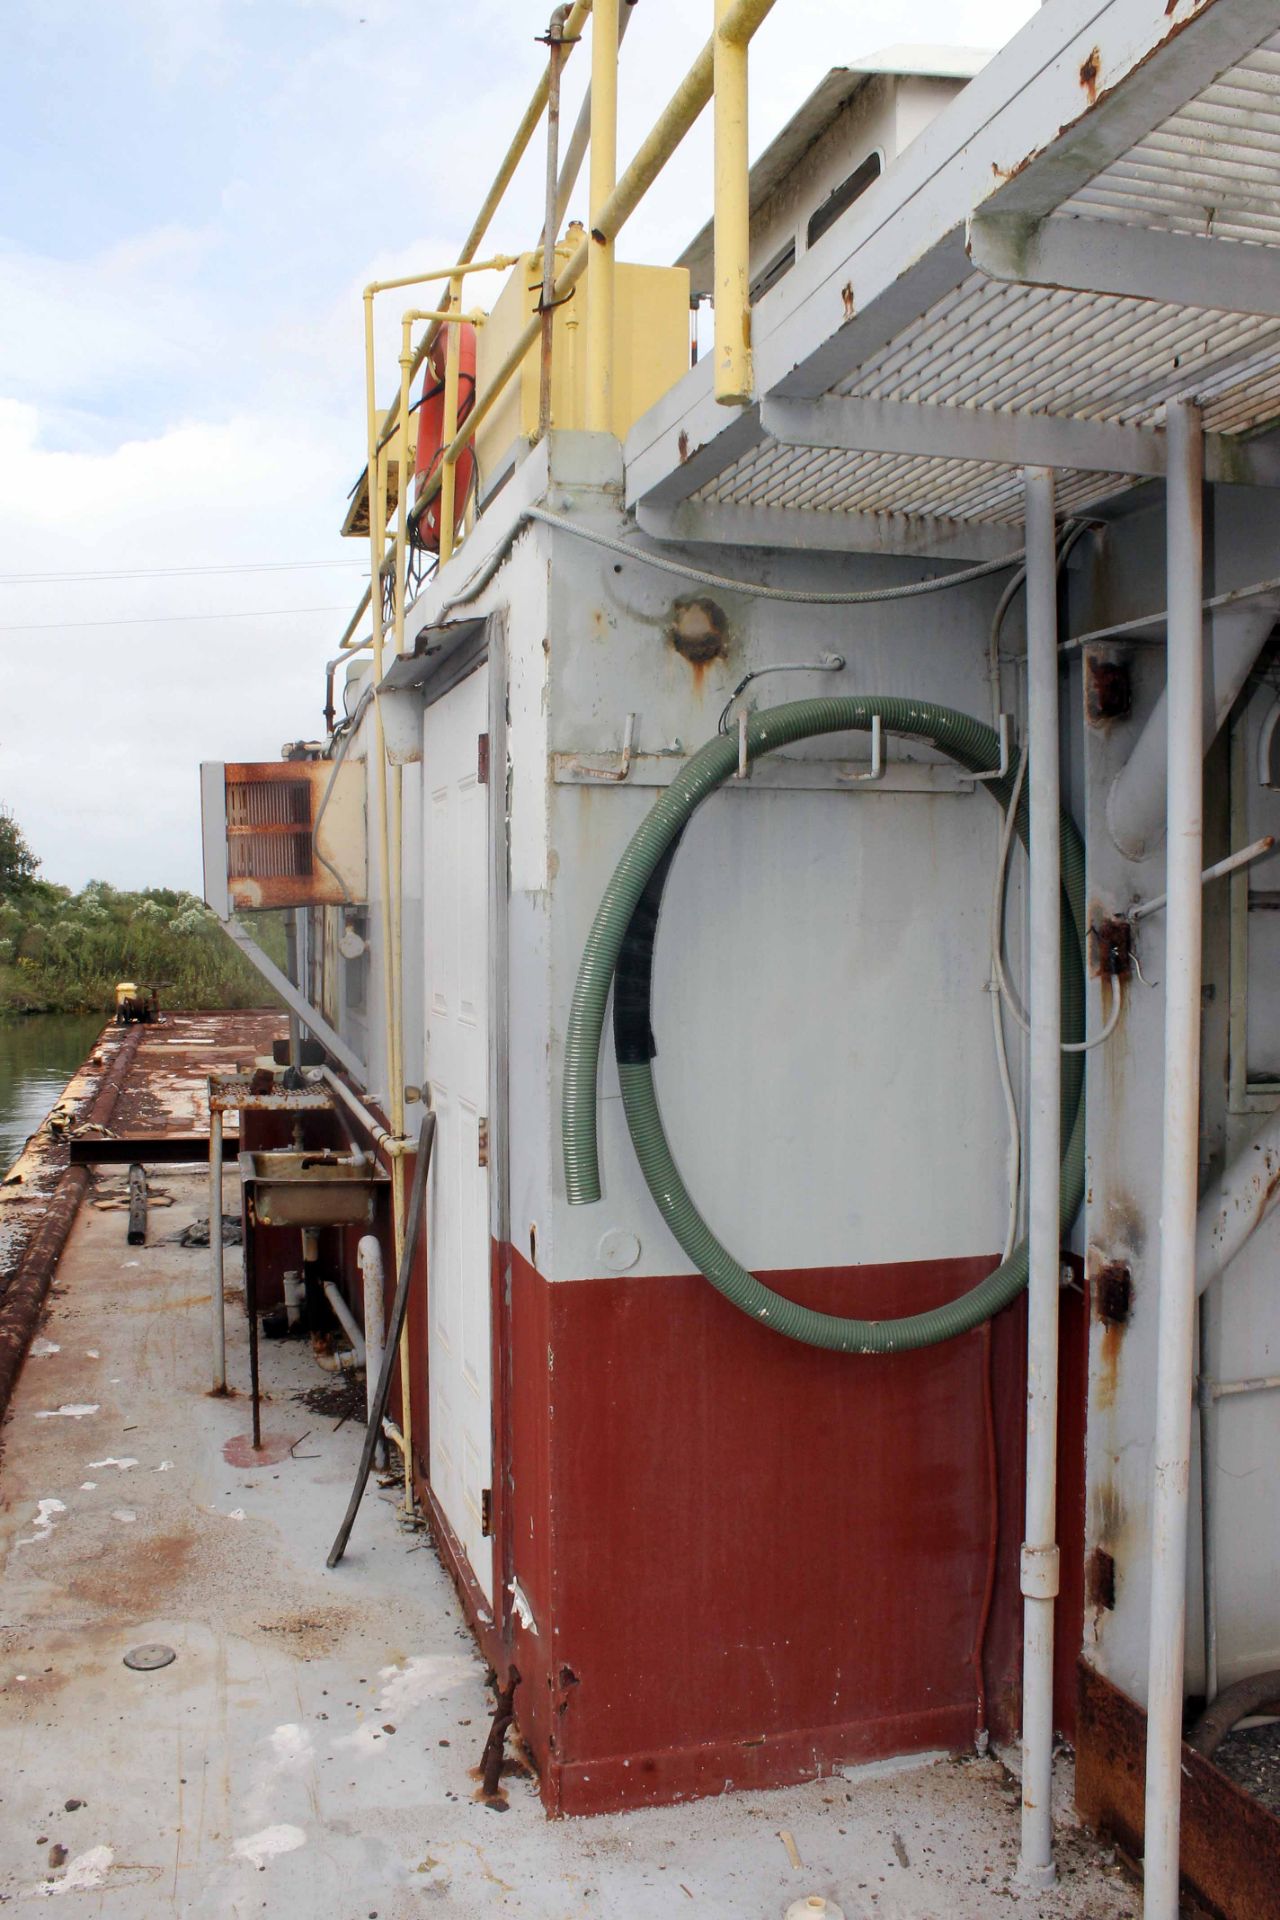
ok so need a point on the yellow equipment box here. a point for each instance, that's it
(650, 353)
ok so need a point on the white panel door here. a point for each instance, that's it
(456, 942)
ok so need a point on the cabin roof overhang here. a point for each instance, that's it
(1088, 232)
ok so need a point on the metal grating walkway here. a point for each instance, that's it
(1014, 332)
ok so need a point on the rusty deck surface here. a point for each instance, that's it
(163, 1091)
(310, 1748)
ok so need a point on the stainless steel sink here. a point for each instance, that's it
(290, 1189)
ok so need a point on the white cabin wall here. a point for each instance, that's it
(826, 1066)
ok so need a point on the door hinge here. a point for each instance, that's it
(482, 1155)
(486, 1512)
(482, 759)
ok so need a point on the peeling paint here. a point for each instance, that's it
(72, 1412)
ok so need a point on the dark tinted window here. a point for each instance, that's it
(770, 275)
(842, 197)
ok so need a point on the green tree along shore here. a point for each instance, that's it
(64, 952)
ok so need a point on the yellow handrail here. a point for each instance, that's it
(740, 21)
(720, 69)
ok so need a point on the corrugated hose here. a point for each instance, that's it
(621, 944)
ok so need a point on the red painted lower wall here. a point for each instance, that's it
(748, 1560)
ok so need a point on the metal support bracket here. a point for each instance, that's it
(297, 1002)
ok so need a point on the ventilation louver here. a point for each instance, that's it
(262, 845)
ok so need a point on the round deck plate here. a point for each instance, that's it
(147, 1658)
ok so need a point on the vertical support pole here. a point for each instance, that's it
(291, 968)
(1207, 1403)
(1039, 1551)
(1179, 1173)
(378, 773)
(399, 577)
(604, 169)
(218, 1311)
(733, 374)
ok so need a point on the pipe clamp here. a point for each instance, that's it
(1039, 1572)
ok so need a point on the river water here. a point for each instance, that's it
(38, 1055)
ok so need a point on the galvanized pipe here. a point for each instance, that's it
(1040, 1553)
(550, 225)
(217, 1305)
(580, 138)
(1175, 1340)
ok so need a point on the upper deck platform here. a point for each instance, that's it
(1088, 232)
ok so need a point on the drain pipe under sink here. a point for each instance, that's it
(369, 1261)
(346, 1319)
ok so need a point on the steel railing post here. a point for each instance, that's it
(1179, 1173)
(1039, 1551)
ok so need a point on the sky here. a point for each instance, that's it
(195, 193)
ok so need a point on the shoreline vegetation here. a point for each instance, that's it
(64, 952)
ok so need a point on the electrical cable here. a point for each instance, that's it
(863, 597)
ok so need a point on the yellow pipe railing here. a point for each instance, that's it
(604, 178)
(720, 69)
(732, 362)
(739, 22)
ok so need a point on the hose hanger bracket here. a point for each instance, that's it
(619, 954)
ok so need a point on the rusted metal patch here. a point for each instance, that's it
(1100, 1580)
(1090, 68)
(1108, 687)
(1113, 1293)
(1230, 1852)
(699, 630)
(1113, 946)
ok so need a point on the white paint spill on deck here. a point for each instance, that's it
(258, 1848)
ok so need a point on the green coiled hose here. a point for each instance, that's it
(634, 894)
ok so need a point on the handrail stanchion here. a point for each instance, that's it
(604, 174)
(733, 376)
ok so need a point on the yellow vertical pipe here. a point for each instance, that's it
(733, 375)
(604, 171)
(402, 455)
(449, 430)
(377, 544)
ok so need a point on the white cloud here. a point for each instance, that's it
(192, 391)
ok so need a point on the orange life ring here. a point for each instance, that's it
(426, 523)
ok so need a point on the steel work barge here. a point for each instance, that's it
(781, 1106)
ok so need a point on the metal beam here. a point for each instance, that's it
(1003, 438)
(1129, 262)
(297, 1003)
(803, 530)
(963, 433)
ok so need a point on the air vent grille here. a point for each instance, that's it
(269, 829)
